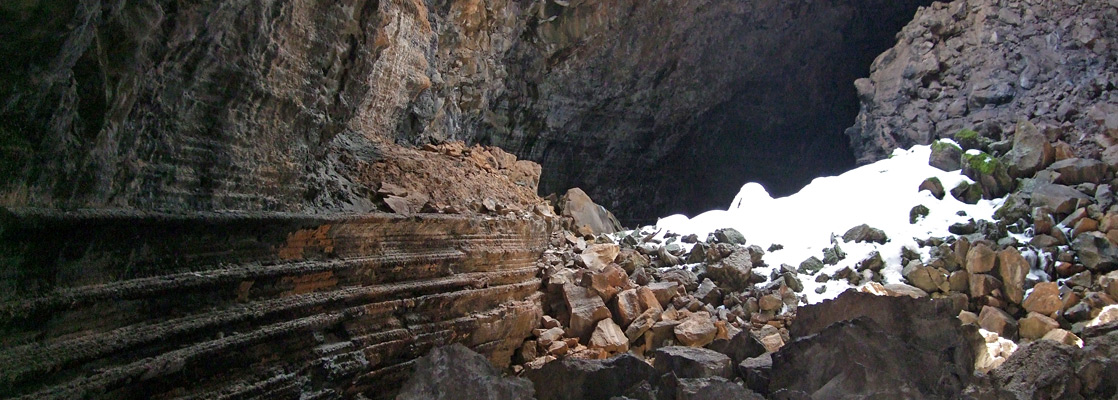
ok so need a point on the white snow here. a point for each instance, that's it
(879, 194)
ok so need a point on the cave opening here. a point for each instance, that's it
(783, 95)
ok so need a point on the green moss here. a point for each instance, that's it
(941, 146)
(966, 135)
(983, 163)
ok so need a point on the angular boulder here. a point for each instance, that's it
(456, 372)
(692, 362)
(577, 379)
(588, 217)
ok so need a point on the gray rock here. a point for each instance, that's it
(1031, 151)
(1074, 171)
(740, 347)
(917, 213)
(946, 156)
(734, 271)
(832, 255)
(456, 372)
(934, 186)
(577, 379)
(810, 266)
(1058, 198)
(714, 388)
(729, 235)
(692, 362)
(1095, 251)
(865, 233)
(756, 372)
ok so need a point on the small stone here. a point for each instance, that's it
(548, 336)
(770, 337)
(558, 348)
(832, 255)
(548, 322)
(967, 317)
(729, 235)
(810, 266)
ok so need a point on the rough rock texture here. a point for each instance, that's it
(254, 305)
(918, 349)
(985, 65)
(275, 106)
(456, 372)
(574, 379)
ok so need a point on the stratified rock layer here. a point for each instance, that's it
(122, 304)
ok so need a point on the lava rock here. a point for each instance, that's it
(456, 372)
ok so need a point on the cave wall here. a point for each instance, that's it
(985, 65)
(651, 107)
(127, 304)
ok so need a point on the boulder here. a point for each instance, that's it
(1044, 299)
(598, 256)
(608, 336)
(967, 193)
(1013, 268)
(1074, 171)
(865, 233)
(1058, 198)
(585, 309)
(692, 362)
(1034, 326)
(946, 156)
(456, 372)
(578, 379)
(982, 285)
(685, 278)
(934, 186)
(739, 347)
(664, 291)
(1038, 370)
(729, 235)
(643, 323)
(696, 330)
(588, 217)
(769, 337)
(709, 293)
(1031, 151)
(1064, 337)
(626, 307)
(631, 261)
(756, 372)
(989, 173)
(607, 282)
(928, 279)
(713, 388)
(734, 271)
(998, 321)
(918, 349)
(1095, 251)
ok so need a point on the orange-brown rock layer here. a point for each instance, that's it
(115, 304)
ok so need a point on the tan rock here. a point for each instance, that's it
(643, 323)
(967, 317)
(1012, 268)
(959, 281)
(598, 256)
(1107, 315)
(558, 348)
(608, 336)
(664, 292)
(770, 302)
(548, 322)
(549, 336)
(1084, 225)
(983, 284)
(607, 282)
(928, 279)
(697, 330)
(626, 307)
(1063, 337)
(647, 299)
(1044, 299)
(1109, 222)
(997, 321)
(1035, 326)
(769, 336)
(981, 259)
(586, 309)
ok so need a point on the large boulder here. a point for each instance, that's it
(1074, 171)
(946, 155)
(588, 216)
(456, 372)
(1013, 268)
(918, 349)
(989, 173)
(1095, 251)
(734, 271)
(1058, 198)
(740, 347)
(586, 309)
(692, 362)
(577, 379)
(1031, 151)
(865, 233)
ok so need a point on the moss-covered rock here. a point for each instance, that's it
(917, 213)
(945, 155)
(971, 140)
(967, 193)
(989, 173)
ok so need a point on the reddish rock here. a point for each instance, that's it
(1044, 299)
(608, 336)
(696, 330)
(585, 308)
(981, 259)
(1012, 268)
(1035, 326)
(998, 321)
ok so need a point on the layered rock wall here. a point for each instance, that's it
(122, 304)
(652, 107)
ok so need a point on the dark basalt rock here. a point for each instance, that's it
(918, 349)
(456, 372)
(576, 379)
